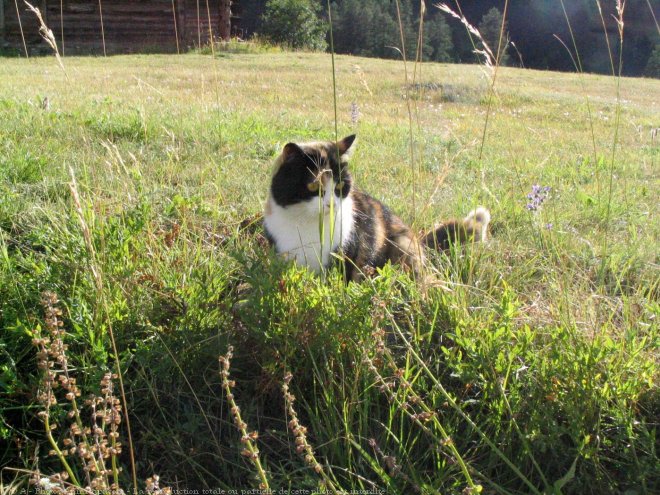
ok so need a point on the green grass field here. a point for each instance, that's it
(531, 368)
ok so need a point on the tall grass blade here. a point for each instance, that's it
(97, 276)
(452, 403)
(620, 9)
(578, 66)
(20, 27)
(176, 30)
(62, 25)
(102, 28)
(411, 140)
(655, 19)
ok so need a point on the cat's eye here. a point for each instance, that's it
(313, 186)
(340, 185)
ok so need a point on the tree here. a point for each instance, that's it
(295, 23)
(382, 34)
(410, 25)
(371, 28)
(438, 44)
(653, 65)
(251, 13)
(349, 21)
(225, 20)
(490, 28)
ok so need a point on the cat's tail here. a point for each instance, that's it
(473, 228)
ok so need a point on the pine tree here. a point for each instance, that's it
(371, 28)
(349, 20)
(653, 64)
(438, 44)
(490, 28)
(382, 34)
(409, 25)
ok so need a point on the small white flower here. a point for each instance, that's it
(47, 484)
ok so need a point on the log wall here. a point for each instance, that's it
(128, 25)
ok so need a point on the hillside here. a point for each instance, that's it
(531, 364)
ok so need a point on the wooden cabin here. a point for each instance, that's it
(114, 26)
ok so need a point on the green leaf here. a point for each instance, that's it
(564, 480)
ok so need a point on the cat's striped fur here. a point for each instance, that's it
(314, 214)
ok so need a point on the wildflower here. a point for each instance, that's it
(355, 113)
(536, 198)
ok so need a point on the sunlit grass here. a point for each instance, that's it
(548, 346)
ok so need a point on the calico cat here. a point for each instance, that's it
(312, 178)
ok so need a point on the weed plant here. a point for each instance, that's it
(254, 45)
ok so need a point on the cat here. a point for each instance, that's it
(314, 214)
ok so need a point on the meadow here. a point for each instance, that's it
(131, 188)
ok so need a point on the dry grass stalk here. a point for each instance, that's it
(47, 34)
(363, 78)
(248, 439)
(102, 28)
(300, 433)
(620, 8)
(607, 38)
(20, 27)
(52, 350)
(98, 281)
(96, 273)
(176, 30)
(486, 52)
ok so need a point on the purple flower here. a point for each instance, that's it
(536, 198)
(355, 113)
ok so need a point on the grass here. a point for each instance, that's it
(533, 370)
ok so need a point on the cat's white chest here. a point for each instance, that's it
(299, 234)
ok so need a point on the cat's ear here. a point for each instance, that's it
(346, 147)
(291, 149)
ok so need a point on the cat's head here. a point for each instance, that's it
(313, 175)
